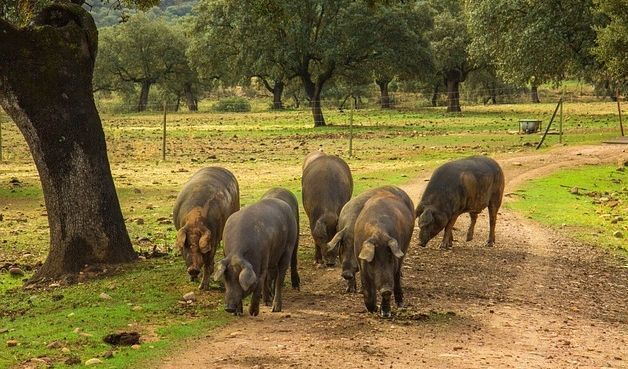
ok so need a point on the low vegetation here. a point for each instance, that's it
(590, 203)
(263, 149)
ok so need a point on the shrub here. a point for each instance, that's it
(233, 104)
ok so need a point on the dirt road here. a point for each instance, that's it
(536, 300)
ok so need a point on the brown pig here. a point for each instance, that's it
(342, 243)
(259, 242)
(327, 186)
(382, 234)
(461, 186)
(209, 197)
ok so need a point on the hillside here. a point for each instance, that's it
(104, 14)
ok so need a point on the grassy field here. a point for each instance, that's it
(589, 203)
(263, 149)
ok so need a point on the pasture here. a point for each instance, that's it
(265, 149)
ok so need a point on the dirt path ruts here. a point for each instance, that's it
(536, 300)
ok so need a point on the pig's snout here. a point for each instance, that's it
(346, 274)
(193, 272)
(234, 309)
(384, 311)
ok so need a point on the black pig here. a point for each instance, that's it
(259, 239)
(462, 186)
(327, 186)
(381, 237)
(342, 243)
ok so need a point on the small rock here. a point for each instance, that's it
(137, 190)
(16, 272)
(4, 330)
(136, 347)
(618, 234)
(136, 308)
(11, 343)
(54, 345)
(150, 206)
(104, 296)
(574, 190)
(517, 164)
(93, 361)
(190, 296)
(65, 350)
(141, 257)
(108, 354)
(83, 334)
(139, 221)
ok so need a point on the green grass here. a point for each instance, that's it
(144, 298)
(590, 214)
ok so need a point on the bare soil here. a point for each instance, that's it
(537, 299)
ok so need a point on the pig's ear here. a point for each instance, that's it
(181, 235)
(204, 244)
(426, 218)
(247, 277)
(418, 211)
(333, 244)
(394, 247)
(368, 251)
(220, 270)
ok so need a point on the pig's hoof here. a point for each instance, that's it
(445, 247)
(490, 244)
(350, 289)
(276, 309)
(385, 314)
(254, 312)
(469, 238)
(204, 286)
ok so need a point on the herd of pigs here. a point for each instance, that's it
(370, 233)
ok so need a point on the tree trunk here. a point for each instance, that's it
(435, 96)
(297, 102)
(453, 95)
(46, 88)
(534, 94)
(277, 93)
(313, 91)
(190, 99)
(385, 102)
(317, 111)
(141, 105)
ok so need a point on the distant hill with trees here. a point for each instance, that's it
(105, 14)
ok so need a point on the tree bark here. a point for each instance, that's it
(435, 96)
(46, 88)
(384, 100)
(145, 89)
(453, 94)
(190, 99)
(534, 94)
(277, 93)
(313, 91)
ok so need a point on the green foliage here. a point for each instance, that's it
(612, 40)
(142, 52)
(232, 105)
(314, 41)
(450, 38)
(532, 41)
(590, 214)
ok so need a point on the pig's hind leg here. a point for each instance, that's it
(474, 218)
(282, 269)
